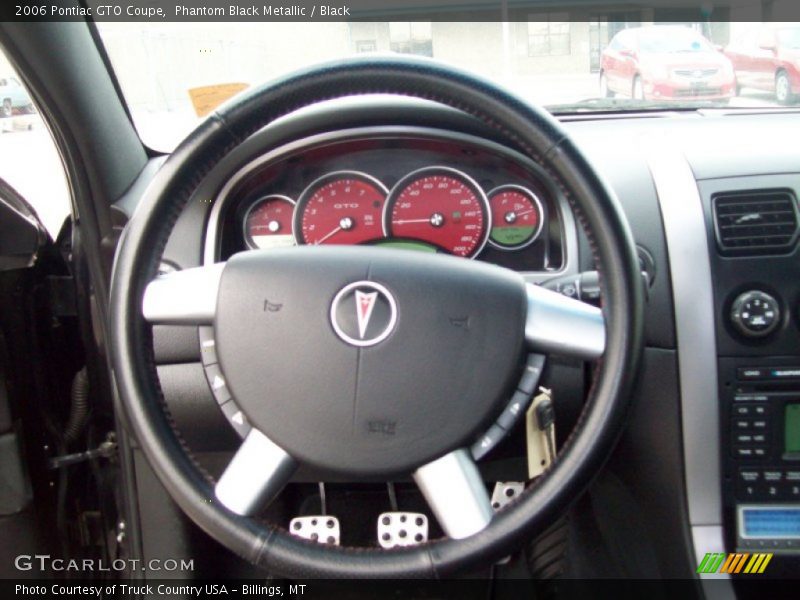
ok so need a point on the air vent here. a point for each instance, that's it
(755, 222)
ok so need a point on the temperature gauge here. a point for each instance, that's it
(268, 222)
(517, 217)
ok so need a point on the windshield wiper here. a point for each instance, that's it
(625, 105)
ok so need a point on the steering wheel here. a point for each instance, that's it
(312, 377)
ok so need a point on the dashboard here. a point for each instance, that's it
(681, 456)
(422, 190)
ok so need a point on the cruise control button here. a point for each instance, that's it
(208, 345)
(216, 382)
(236, 418)
(742, 411)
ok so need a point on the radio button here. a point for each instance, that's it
(751, 373)
(749, 476)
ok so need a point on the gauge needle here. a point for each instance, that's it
(325, 237)
(436, 219)
(404, 221)
(345, 224)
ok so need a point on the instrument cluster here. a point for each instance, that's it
(441, 207)
(427, 195)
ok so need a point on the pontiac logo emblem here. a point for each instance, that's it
(365, 302)
(363, 313)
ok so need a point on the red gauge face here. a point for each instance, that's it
(516, 217)
(441, 206)
(340, 208)
(268, 223)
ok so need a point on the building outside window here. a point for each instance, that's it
(411, 38)
(549, 36)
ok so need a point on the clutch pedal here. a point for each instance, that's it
(402, 529)
(322, 529)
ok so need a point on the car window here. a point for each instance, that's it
(30, 162)
(669, 41)
(789, 38)
(169, 71)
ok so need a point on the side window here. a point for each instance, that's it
(30, 163)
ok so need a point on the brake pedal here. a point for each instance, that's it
(504, 492)
(322, 529)
(402, 529)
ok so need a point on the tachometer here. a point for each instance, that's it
(344, 207)
(268, 222)
(517, 217)
(441, 206)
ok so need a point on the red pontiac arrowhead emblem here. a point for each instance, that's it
(365, 302)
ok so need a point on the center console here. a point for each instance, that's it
(753, 230)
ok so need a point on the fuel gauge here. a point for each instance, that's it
(517, 217)
(268, 222)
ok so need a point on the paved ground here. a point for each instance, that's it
(30, 163)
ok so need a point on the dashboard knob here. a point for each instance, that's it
(755, 314)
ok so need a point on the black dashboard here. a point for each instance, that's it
(681, 455)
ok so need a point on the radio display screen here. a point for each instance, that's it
(792, 439)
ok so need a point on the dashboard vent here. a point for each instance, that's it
(754, 223)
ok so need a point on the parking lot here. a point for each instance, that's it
(30, 163)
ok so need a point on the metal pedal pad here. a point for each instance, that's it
(322, 529)
(504, 492)
(402, 529)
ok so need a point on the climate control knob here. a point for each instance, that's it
(755, 314)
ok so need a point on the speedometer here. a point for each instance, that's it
(441, 206)
(343, 207)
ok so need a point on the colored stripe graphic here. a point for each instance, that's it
(734, 563)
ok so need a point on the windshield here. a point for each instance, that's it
(789, 38)
(174, 73)
(670, 40)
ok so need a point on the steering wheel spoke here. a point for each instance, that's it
(257, 473)
(561, 325)
(187, 297)
(454, 490)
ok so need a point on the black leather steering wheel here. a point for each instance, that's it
(459, 384)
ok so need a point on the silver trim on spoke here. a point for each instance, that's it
(187, 297)
(453, 487)
(257, 473)
(561, 325)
